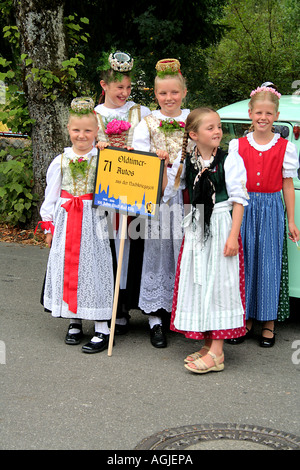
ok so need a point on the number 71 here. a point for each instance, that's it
(107, 165)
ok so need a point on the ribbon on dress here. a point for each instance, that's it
(45, 225)
(74, 208)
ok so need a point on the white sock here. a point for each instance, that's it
(121, 321)
(100, 327)
(74, 330)
(153, 320)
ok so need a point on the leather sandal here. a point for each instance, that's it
(265, 342)
(195, 355)
(202, 368)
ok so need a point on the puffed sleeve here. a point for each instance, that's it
(236, 178)
(290, 161)
(141, 137)
(170, 190)
(145, 111)
(53, 189)
(233, 146)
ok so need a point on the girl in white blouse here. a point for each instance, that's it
(207, 297)
(79, 280)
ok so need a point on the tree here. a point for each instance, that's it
(43, 43)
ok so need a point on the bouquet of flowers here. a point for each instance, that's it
(78, 166)
(170, 125)
(116, 131)
(117, 127)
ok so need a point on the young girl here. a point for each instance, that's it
(271, 163)
(207, 301)
(162, 129)
(79, 282)
(117, 119)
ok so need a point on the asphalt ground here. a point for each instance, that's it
(54, 397)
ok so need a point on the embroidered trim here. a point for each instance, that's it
(243, 184)
(262, 148)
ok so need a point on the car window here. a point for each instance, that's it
(233, 130)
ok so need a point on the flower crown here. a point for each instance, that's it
(82, 105)
(265, 88)
(120, 61)
(167, 67)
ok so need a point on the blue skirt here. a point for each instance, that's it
(262, 235)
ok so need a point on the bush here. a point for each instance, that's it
(17, 199)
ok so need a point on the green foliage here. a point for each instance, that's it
(262, 44)
(14, 112)
(17, 200)
(64, 80)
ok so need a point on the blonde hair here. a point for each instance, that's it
(264, 96)
(177, 76)
(192, 124)
(75, 115)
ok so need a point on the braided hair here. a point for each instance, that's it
(192, 124)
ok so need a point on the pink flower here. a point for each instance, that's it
(117, 127)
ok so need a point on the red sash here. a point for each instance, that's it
(74, 207)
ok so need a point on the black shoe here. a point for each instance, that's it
(120, 329)
(95, 347)
(267, 342)
(157, 337)
(250, 333)
(241, 339)
(74, 338)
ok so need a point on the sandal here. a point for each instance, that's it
(202, 368)
(195, 355)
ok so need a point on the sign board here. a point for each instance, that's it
(128, 182)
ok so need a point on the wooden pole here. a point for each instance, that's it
(117, 284)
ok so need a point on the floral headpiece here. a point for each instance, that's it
(265, 88)
(82, 105)
(120, 61)
(167, 67)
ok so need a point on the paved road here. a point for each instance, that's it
(55, 397)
